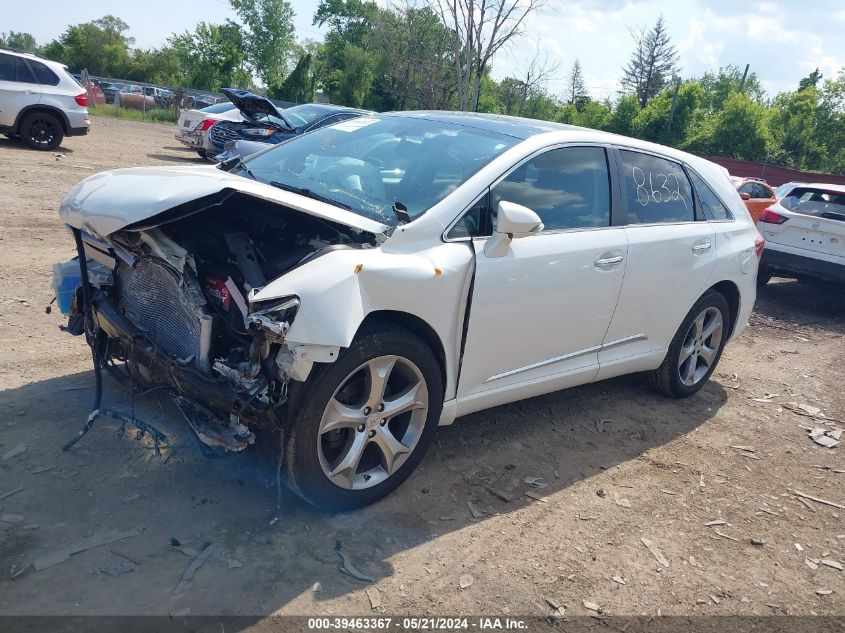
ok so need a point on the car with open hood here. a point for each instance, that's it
(357, 286)
(265, 123)
(193, 124)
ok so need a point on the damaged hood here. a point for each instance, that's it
(112, 200)
(253, 106)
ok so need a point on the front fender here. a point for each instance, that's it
(340, 288)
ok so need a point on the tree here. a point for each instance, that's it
(480, 29)
(621, 120)
(740, 130)
(653, 63)
(576, 91)
(298, 86)
(211, 57)
(794, 123)
(652, 122)
(349, 81)
(718, 86)
(811, 80)
(19, 41)
(102, 46)
(268, 38)
(830, 129)
(414, 52)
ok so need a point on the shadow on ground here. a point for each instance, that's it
(267, 555)
(806, 302)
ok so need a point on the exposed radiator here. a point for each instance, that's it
(155, 299)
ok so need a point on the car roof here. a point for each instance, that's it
(518, 127)
(34, 57)
(822, 185)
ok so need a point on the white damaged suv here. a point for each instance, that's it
(362, 284)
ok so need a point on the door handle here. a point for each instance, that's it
(32, 92)
(609, 261)
(701, 246)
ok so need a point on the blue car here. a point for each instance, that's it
(265, 123)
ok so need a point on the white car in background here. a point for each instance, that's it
(40, 102)
(362, 284)
(192, 126)
(805, 234)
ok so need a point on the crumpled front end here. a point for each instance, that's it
(170, 308)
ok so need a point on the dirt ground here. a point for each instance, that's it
(621, 464)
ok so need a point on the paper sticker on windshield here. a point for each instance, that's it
(350, 125)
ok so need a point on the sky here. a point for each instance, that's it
(782, 40)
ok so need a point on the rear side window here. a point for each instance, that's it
(15, 69)
(818, 202)
(569, 188)
(657, 189)
(44, 75)
(710, 206)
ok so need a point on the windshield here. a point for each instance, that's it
(371, 164)
(818, 202)
(217, 108)
(303, 114)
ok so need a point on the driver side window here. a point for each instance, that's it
(569, 188)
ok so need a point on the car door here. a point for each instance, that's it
(539, 313)
(671, 257)
(18, 88)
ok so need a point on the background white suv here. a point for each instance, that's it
(805, 234)
(40, 102)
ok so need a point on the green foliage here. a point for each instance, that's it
(718, 86)
(211, 57)
(810, 81)
(389, 56)
(793, 123)
(351, 75)
(621, 120)
(652, 64)
(740, 130)
(157, 115)
(19, 41)
(268, 38)
(101, 46)
(299, 85)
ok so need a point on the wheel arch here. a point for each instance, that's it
(730, 292)
(38, 107)
(418, 326)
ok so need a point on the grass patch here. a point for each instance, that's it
(158, 115)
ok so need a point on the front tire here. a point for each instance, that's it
(41, 130)
(364, 422)
(695, 350)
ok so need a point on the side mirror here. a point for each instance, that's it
(512, 221)
(745, 196)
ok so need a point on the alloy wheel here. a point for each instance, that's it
(701, 346)
(42, 131)
(372, 422)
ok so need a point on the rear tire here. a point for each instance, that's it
(695, 350)
(41, 130)
(336, 461)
